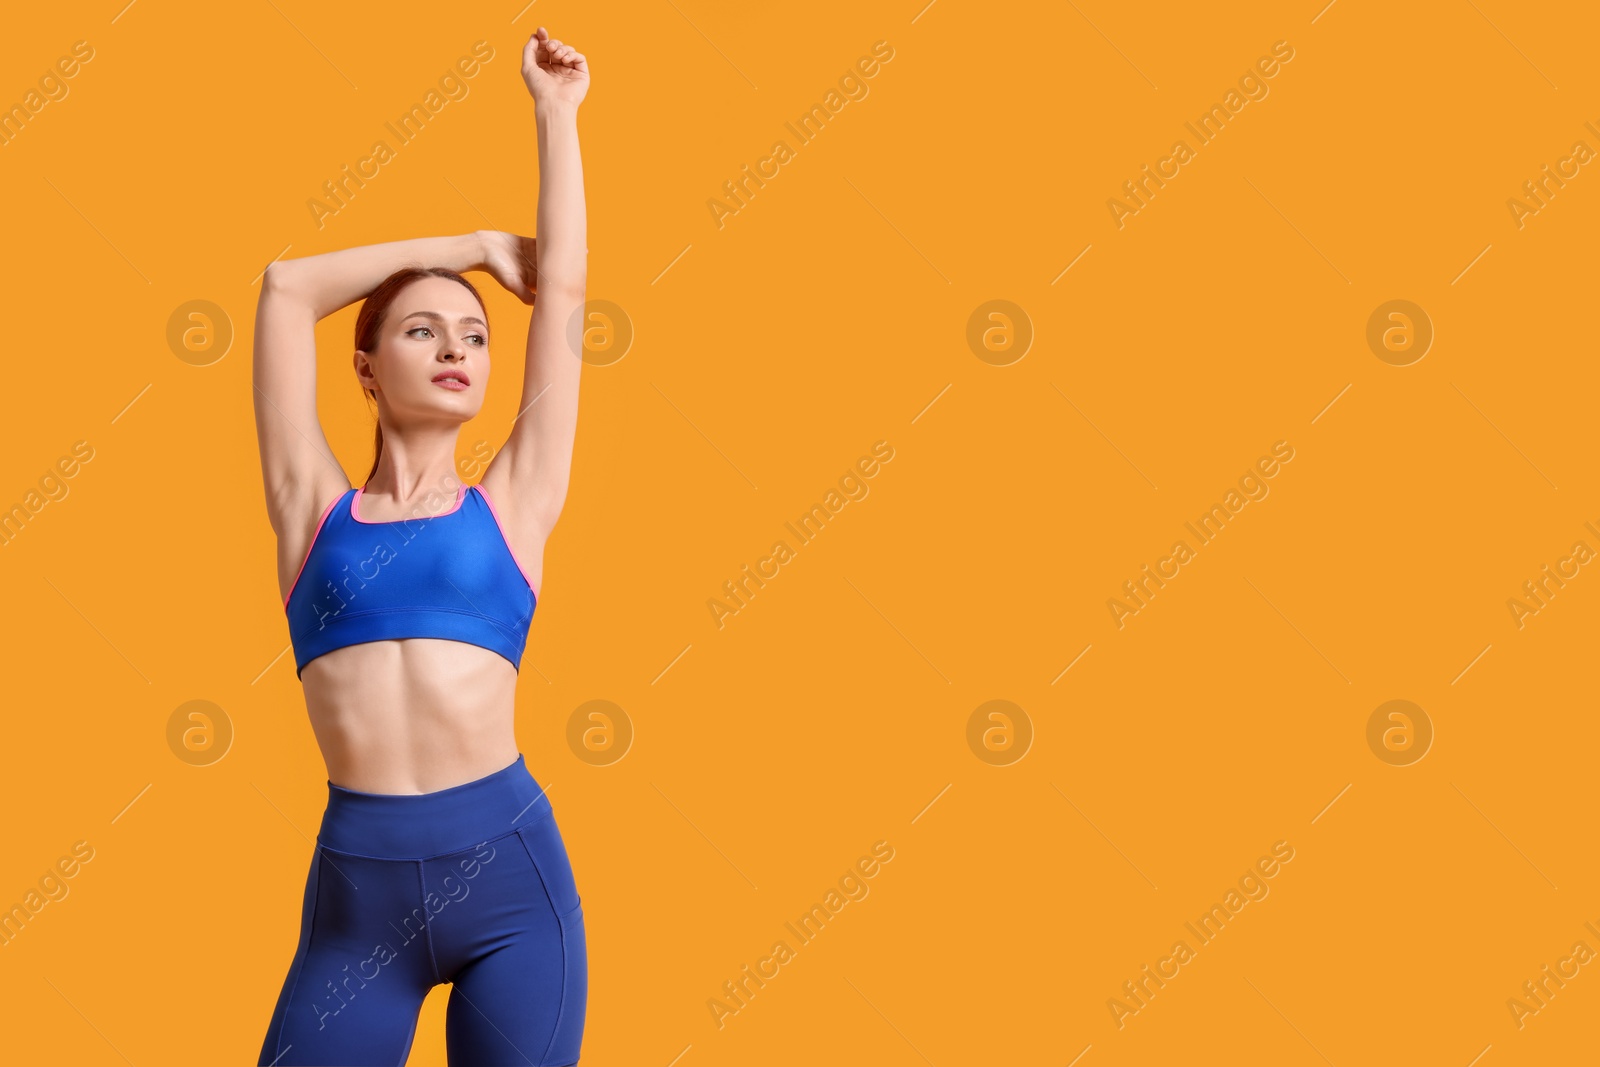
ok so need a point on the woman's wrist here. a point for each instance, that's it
(545, 111)
(475, 250)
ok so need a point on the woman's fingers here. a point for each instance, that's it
(549, 55)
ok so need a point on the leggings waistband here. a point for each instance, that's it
(422, 825)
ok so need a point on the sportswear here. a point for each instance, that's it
(451, 575)
(469, 885)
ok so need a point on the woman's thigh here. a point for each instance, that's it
(513, 945)
(361, 969)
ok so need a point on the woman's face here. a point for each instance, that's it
(432, 362)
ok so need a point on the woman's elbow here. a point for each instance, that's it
(571, 285)
(278, 278)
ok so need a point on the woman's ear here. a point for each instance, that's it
(363, 365)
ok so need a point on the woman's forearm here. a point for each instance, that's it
(334, 280)
(562, 228)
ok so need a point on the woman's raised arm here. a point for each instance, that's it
(333, 280)
(532, 471)
(299, 471)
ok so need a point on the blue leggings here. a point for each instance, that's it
(469, 885)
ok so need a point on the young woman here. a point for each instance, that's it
(408, 602)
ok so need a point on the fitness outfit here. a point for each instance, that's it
(469, 885)
(450, 575)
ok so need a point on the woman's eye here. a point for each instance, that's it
(414, 329)
(482, 340)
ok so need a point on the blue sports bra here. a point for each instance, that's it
(451, 575)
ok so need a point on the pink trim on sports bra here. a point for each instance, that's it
(502, 528)
(325, 513)
(355, 511)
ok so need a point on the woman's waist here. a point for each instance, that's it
(413, 749)
(419, 825)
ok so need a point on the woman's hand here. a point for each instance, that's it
(512, 260)
(555, 73)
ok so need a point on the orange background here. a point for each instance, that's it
(829, 313)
